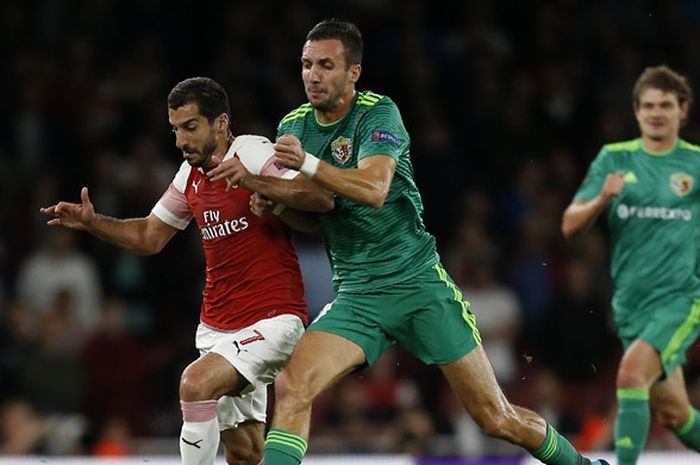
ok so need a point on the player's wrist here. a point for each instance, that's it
(310, 165)
(278, 209)
(90, 222)
(244, 182)
(607, 197)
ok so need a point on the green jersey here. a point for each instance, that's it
(369, 248)
(654, 223)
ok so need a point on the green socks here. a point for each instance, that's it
(557, 450)
(631, 424)
(283, 448)
(689, 434)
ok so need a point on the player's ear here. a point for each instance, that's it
(355, 71)
(222, 123)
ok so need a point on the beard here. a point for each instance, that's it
(330, 103)
(205, 154)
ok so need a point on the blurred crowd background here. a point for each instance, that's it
(506, 102)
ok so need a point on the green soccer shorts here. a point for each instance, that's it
(671, 329)
(426, 315)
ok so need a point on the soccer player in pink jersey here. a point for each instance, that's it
(253, 309)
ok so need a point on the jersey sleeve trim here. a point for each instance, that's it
(624, 146)
(690, 147)
(168, 217)
(297, 113)
(180, 180)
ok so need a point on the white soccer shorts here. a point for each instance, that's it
(258, 352)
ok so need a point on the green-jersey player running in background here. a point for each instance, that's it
(650, 189)
(390, 285)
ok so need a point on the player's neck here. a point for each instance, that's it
(660, 145)
(220, 152)
(222, 148)
(338, 112)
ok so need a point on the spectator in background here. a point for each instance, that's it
(25, 431)
(496, 306)
(53, 356)
(578, 310)
(116, 367)
(22, 429)
(650, 189)
(58, 266)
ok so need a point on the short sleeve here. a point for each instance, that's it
(173, 207)
(257, 154)
(382, 132)
(595, 177)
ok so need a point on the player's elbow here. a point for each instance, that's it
(150, 246)
(326, 203)
(568, 227)
(147, 250)
(377, 196)
(566, 231)
(376, 201)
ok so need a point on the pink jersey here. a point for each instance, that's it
(252, 269)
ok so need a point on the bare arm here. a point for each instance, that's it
(146, 236)
(368, 184)
(300, 221)
(299, 193)
(580, 215)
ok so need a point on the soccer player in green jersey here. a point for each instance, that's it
(391, 287)
(648, 188)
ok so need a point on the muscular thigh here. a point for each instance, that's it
(258, 352)
(254, 355)
(671, 330)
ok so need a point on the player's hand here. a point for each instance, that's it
(289, 152)
(72, 215)
(260, 205)
(613, 185)
(232, 170)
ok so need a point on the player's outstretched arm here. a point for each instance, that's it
(580, 215)
(368, 184)
(146, 236)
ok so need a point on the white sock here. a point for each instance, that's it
(199, 440)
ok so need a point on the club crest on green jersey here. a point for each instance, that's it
(341, 148)
(681, 184)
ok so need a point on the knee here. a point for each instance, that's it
(497, 422)
(670, 415)
(194, 387)
(629, 376)
(244, 456)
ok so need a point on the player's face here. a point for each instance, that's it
(193, 134)
(327, 79)
(659, 114)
